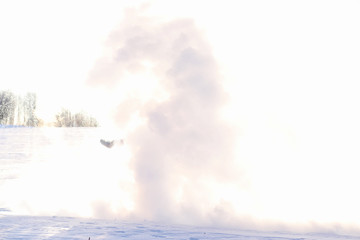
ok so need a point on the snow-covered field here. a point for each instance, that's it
(30, 227)
(63, 184)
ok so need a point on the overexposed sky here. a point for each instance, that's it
(49, 48)
(296, 51)
(278, 50)
(291, 69)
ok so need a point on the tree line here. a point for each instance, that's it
(67, 119)
(20, 110)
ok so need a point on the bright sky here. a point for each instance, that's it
(291, 69)
(273, 51)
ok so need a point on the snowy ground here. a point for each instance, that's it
(42, 174)
(30, 227)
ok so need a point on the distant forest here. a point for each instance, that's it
(67, 119)
(19, 110)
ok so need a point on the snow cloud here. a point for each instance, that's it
(188, 164)
(183, 149)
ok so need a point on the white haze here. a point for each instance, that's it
(183, 149)
(290, 159)
(242, 114)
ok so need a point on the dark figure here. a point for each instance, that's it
(107, 143)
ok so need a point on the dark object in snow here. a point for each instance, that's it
(107, 143)
(110, 144)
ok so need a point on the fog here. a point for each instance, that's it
(287, 158)
(184, 151)
(242, 114)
